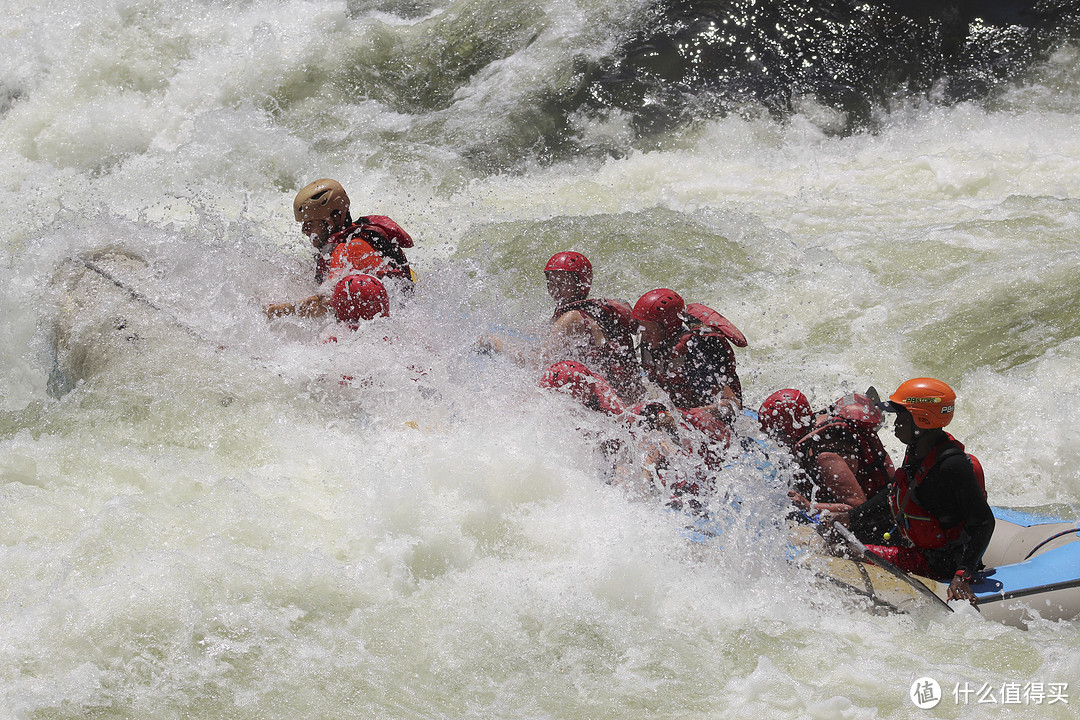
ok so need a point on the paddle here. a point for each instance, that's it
(92, 265)
(855, 544)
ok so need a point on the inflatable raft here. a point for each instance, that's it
(1032, 570)
(103, 321)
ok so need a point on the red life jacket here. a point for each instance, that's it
(842, 436)
(372, 245)
(918, 525)
(615, 358)
(714, 334)
(710, 318)
(394, 232)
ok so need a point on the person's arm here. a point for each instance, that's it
(954, 495)
(519, 352)
(725, 405)
(314, 306)
(870, 521)
(839, 480)
(839, 511)
(571, 329)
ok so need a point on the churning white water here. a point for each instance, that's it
(199, 519)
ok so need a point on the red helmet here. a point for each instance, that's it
(570, 261)
(930, 402)
(359, 297)
(786, 414)
(860, 409)
(584, 385)
(662, 306)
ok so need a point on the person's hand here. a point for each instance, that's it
(841, 514)
(488, 345)
(828, 512)
(960, 589)
(311, 307)
(726, 404)
(667, 423)
(277, 310)
(798, 499)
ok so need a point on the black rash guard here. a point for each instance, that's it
(949, 491)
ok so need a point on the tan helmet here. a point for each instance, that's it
(319, 200)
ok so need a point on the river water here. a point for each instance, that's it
(197, 519)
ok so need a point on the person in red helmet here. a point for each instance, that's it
(654, 450)
(686, 350)
(785, 416)
(599, 332)
(359, 297)
(843, 457)
(584, 385)
(933, 519)
(669, 457)
(356, 299)
(596, 332)
(372, 244)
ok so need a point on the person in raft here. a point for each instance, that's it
(686, 350)
(933, 519)
(599, 333)
(373, 244)
(785, 416)
(658, 454)
(842, 457)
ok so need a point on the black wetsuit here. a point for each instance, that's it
(951, 493)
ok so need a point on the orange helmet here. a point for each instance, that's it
(319, 200)
(930, 402)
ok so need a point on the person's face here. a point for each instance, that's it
(317, 230)
(904, 427)
(652, 333)
(564, 286)
(320, 230)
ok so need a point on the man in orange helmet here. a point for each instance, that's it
(372, 244)
(933, 519)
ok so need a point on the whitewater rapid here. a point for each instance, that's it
(206, 523)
